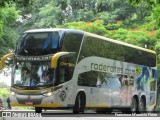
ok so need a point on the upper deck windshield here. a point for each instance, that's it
(33, 74)
(38, 43)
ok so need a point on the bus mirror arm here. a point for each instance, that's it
(4, 58)
(55, 58)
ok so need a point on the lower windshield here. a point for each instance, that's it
(33, 74)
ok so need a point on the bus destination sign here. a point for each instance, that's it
(33, 58)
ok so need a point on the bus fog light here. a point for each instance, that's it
(48, 94)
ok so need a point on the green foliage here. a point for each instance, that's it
(157, 34)
(8, 16)
(85, 16)
(4, 92)
(156, 12)
(114, 26)
(48, 18)
(150, 26)
(18, 2)
(157, 48)
(152, 5)
(96, 27)
(133, 36)
(158, 67)
(116, 31)
(50, 13)
(3, 85)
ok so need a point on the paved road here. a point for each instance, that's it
(54, 113)
(67, 114)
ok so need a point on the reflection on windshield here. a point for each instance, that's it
(38, 43)
(33, 74)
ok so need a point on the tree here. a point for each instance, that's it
(50, 13)
(96, 27)
(8, 15)
(18, 2)
(153, 5)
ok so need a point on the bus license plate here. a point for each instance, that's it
(28, 103)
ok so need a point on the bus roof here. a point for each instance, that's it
(52, 29)
(89, 34)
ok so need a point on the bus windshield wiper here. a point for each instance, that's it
(15, 85)
(25, 51)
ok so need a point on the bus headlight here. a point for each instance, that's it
(13, 93)
(48, 94)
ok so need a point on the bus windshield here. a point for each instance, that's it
(38, 43)
(32, 74)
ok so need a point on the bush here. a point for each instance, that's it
(96, 27)
(157, 34)
(114, 26)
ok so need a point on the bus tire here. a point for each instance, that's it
(134, 105)
(154, 109)
(80, 103)
(141, 105)
(38, 110)
(100, 110)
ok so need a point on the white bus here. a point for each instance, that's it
(63, 68)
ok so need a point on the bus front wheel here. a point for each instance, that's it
(38, 110)
(79, 103)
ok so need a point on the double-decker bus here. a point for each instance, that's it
(64, 68)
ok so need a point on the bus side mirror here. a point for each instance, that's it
(4, 59)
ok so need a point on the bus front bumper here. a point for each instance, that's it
(34, 101)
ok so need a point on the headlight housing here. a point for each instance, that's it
(48, 94)
(13, 93)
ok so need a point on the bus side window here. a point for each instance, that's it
(71, 42)
(88, 79)
(82, 81)
(62, 75)
(65, 73)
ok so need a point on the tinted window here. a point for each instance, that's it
(65, 69)
(38, 43)
(72, 42)
(94, 78)
(88, 79)
(101, 48)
